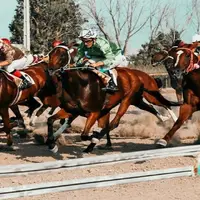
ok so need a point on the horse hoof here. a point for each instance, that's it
(113, 126)
(161, 143)
(54, 149)
(85, 152)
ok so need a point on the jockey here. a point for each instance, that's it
(14, 61)
(101, 54)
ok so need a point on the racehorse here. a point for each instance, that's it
(83, 96)
(10, 94)
(31, 103)
(186, 62)
(162, 57)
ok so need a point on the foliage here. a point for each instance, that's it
(162, 41)
(50, 19)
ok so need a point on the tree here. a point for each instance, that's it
(50, 19)
(162, 41)
(119, 20)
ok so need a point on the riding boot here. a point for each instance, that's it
(25, 83)
(111, 86)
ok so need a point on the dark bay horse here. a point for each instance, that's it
(83, 95)
(185, 61)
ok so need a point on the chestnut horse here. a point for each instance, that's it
(185, 62)
(10, 94)
(162, 57)
(83, 96)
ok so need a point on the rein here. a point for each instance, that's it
(65, 67)
(165, 58)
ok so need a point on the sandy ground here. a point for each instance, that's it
(137, 131)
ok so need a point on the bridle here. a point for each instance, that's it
(190, 67)
(165, 58)
(81, 66)
(66, 66)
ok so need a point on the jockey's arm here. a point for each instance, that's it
(4, 63)
(97, 64)
(9, 58)
(108, 55)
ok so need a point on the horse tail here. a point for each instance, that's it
(161, 98)
(159, 82)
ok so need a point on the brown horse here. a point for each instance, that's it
(83, 96)
(163, 57)
(11, 95)
(185, 61)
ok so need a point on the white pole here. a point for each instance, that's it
(27, 24)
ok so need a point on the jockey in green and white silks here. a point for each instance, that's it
(101, 54)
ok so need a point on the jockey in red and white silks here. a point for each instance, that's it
(15, 60)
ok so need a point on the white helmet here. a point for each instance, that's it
(196, 38)
(87, 34)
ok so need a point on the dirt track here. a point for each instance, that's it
(137, 131)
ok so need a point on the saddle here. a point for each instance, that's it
(104, 77)
(15, 79)
(11, 77)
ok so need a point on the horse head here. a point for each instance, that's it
(159, 57)
(59, 58)
(184, 59)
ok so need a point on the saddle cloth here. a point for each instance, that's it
(17, 80)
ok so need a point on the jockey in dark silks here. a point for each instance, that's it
(102, 55)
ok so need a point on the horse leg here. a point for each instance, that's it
(120, 112)
(179, 95)
(52, 137)
(32, 105)
(6, 128)
(38, 113)
(185, 112)
(88, 125)
(103, 122)
(147, 107)
(20, 120)
(153, 100)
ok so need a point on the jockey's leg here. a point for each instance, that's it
(14, 68)
(119, 61)
(112, 84)
(25, 84)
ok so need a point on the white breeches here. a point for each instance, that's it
(20, 63)
(120, 61)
